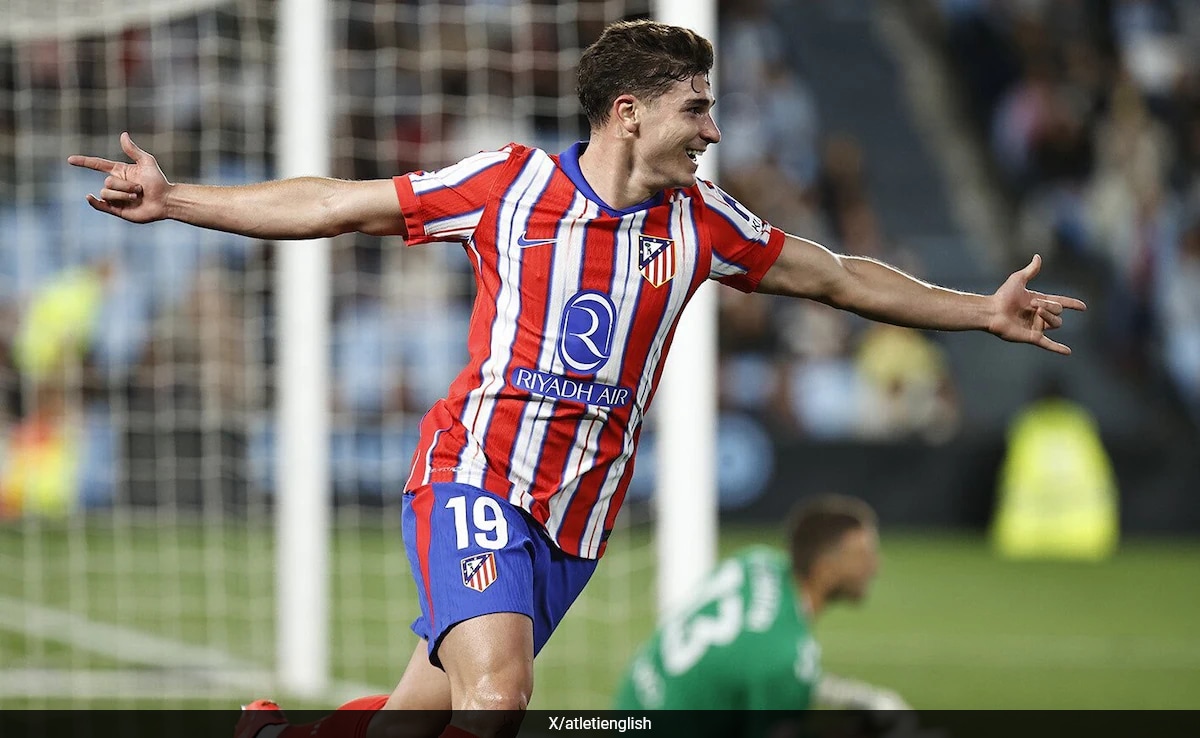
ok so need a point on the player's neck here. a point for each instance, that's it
(609, 167)
(811, 600)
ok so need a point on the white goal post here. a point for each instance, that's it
(686, 404)
(304, 489)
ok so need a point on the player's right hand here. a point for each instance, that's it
(136, 192)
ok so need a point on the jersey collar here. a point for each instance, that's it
(568, 161)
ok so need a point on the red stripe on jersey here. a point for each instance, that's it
(572, 429)
(536, 285)
(618, 498)
(649, 312)
(422, 506)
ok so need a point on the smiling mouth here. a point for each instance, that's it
(694, 155)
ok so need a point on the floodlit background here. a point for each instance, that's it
(954, 138)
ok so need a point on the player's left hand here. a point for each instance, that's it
(1025, 316)
(135, 192)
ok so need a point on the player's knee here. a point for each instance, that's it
(504, 689)
(490, 693)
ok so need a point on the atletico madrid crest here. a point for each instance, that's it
(656, 258)
(479, 571)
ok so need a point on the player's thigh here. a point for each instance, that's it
(489, 662)
(422, 687)
(419, 707)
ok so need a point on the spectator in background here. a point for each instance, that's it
(776, 159)
(1024, 119)
(1057, 493)
(1181, 317)
(974, 34)
(826, 393)
(40, 459)
(752, 367)
(1133, 220)
(58, 325)
(911, 390)
(841, 182)
(1101, 138)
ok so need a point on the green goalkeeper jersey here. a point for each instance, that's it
(743, 643)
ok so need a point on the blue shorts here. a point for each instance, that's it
(472, 553)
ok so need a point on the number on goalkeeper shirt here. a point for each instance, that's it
(686, 639)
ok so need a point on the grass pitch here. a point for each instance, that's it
(115, 614)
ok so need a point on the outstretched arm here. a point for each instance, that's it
(875, 290)
(299, 208)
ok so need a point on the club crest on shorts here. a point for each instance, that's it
(479, 571)
(656, 259)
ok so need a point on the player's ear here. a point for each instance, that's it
(627, 113)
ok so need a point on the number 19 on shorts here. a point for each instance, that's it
(486, 521)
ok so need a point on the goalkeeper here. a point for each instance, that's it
(744, 642)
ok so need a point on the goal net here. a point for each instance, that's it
(137, 363)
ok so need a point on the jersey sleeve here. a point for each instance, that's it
(446, 205)
(744, 246)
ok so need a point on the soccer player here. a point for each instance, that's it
(743, 643)
(583, 262)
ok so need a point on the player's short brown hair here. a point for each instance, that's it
(641, 58)
(816, 527)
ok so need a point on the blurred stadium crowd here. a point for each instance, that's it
(1091, 113)
(149, 349)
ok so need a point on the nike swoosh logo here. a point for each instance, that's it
(526, 243)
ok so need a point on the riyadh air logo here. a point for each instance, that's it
(656, 259)
(587, 331)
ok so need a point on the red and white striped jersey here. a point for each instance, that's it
(575, 309)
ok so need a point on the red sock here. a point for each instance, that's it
(349, 721)
(374, 702)
(453, 731)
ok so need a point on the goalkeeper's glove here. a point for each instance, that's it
(834, 691)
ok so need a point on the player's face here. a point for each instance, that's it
(856, 561)
(677, 128)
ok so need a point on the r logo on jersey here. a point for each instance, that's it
(587, 331)
(479, 571)
(656, 258)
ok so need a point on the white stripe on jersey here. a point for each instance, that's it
(514, 212)
(587, 434)
(722, 268)
(428, 464)
(563, 284)
(456, 174)
(455, 226)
